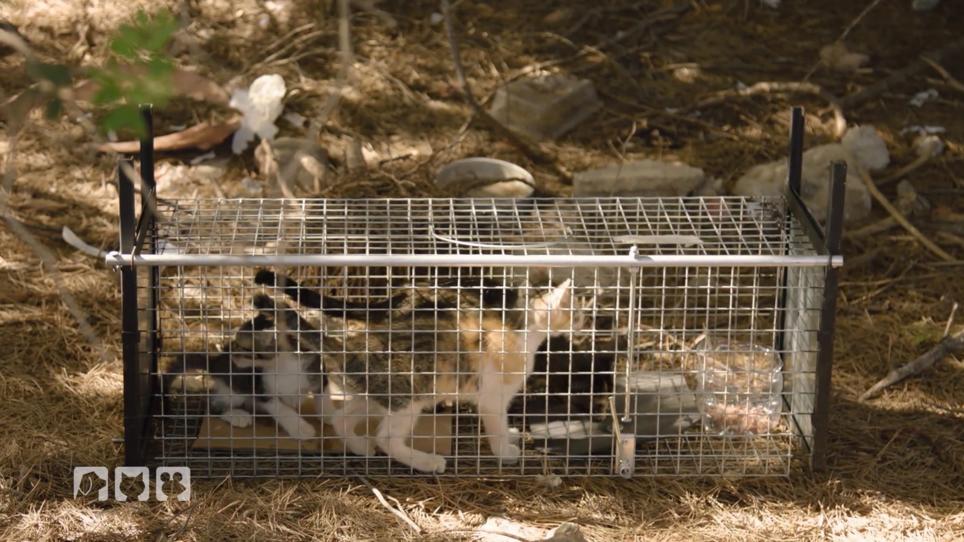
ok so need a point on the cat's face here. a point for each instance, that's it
(553, 312)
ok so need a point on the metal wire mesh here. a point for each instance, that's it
(702, 367)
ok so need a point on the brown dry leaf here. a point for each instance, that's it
(200, 136)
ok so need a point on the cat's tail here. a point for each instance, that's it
(334, 306)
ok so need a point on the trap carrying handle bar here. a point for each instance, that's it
(632, 259)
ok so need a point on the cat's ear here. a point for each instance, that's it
(560, 296)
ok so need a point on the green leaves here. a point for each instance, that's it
(145, 76)
(146, 36)
(141, 73)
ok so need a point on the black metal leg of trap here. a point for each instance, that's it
(136, 382)
(828, 315)
(139, 365)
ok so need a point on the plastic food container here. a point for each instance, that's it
(739, 388)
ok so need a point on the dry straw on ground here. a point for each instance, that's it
(896, 462)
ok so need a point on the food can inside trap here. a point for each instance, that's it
(478, 337)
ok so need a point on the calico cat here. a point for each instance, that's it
(441, 348)
(271, 365)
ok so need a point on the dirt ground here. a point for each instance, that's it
(896, 463)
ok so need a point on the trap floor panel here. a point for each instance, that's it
(215, 450)
(664, 293)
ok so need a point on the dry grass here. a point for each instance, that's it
(896, 463)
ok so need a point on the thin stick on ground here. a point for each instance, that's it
(901, 219)
(853, 24)
(397, 512)
(949, 345)
(950, 79)
(533, 150)
(909, 168)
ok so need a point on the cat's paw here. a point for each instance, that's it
(301, 430)
(514, 436)
(362, 446)
(430, 463)
(509, 454)
(238, 418)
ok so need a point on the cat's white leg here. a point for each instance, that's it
(238, 417)
(393, 433)
(345, 420)
(493, 401)
(289, 419)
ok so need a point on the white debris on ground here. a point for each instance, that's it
(497, 529)
(639, 178)
(923, 129)
(862, 149)
(923, 97)
(260, 106)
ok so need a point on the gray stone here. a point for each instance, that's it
(544, 107)
(771, 180)
(298, 162)
(640, 178)
(485, 178)
(567, 532)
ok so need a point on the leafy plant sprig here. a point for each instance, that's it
(139, 72)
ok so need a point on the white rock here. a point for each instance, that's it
(771, 180)
(865, 143)
(640, 178)
(928, 145)
(567, 532)
(260, 106)
(485, 178)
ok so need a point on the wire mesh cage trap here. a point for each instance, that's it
(484, 337)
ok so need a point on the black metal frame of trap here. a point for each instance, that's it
(140, 354)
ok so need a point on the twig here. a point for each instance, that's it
(901, 75)
(397, 512)
(775, 87)
(947, 346)
(950, 320)
(950, 79)
(880, 226)
(900, 218)
(902, 172)
(532, 150)
(859, 18)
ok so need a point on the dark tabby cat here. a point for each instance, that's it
(439, 349)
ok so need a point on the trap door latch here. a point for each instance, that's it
(625, 443)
